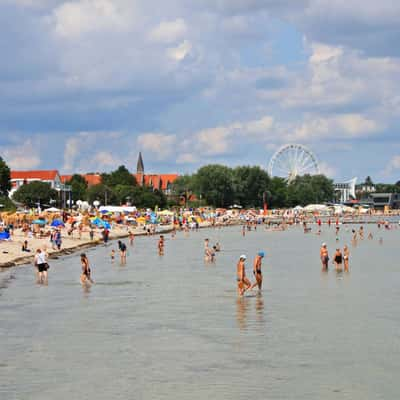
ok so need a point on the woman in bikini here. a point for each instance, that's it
(86, 273)
(346, 254)
(243, 282)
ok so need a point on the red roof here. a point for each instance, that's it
(65, 178)
(44, 175)
(91, 179)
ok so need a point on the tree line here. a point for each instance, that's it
(213, 185)
(248, 186)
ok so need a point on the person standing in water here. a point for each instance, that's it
(346, 255)
(257, 270)
(324, 257)
(243, 282)
(338, 260)
(122, 252)
(86, 276)
(161, 245)
(41, 266)
(131, 238)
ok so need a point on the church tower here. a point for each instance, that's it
(140, 166)
(140, 170)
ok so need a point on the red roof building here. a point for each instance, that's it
(156, 181)
(19, 178)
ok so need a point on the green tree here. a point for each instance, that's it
(121, 176)
(125, 193)
(35, 192)
(102, 193)
(309, 189)
(215, 183)
(183, 187)
(79, 187)
(250, 183)
(5, 176)
(277, 193)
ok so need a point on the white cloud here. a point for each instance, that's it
(168, 31)
(90, 152)
(73, 19)
(179, 52)
(334, 127)
(327, 169)
(24, 156)
(162, 145)
(393, 165)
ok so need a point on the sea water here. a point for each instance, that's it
(173, 327)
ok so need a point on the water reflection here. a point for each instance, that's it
(242, 305)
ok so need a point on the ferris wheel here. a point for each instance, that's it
(293, 160)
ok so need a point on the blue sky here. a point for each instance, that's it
(87, 84)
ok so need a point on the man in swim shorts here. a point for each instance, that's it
(257, 270)
(324, 257)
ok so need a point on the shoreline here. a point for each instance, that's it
(73, 246)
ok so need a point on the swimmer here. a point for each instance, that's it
(370, 236)
(257, 270)
(122, 252)
(217, 246)
(86, 272)
(346, 255)
(324, 257)
(338, 260)
(112, 255)
(243, 282)
(244, 230)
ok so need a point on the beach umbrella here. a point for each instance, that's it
(57, 223)
(39, 222)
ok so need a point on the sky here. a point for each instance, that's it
(87, 84)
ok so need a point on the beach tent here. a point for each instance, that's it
(4, 236)
(120, 209)
(165, 212)
(316, 207)
(57, 223)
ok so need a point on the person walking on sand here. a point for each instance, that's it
(243, 282)
(324, 257)
(257, 270)
(86, 276)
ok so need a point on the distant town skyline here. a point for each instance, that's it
(87, 84)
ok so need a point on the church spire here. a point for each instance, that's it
(140, 166)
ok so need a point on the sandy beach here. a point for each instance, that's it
(12, 254)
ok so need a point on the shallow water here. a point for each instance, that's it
(172, 327)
